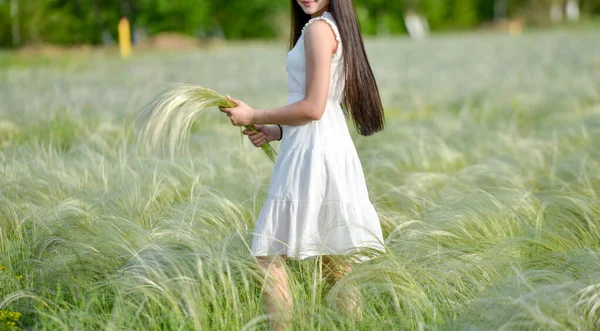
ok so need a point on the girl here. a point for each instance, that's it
(318, 204)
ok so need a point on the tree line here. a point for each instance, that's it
(95, 21)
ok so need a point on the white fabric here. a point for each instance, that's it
(318, 202)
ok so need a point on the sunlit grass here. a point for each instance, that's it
(165, 123)
(486, 181)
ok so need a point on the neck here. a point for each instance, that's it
(320, 12)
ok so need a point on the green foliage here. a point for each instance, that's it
(255, 19)
(65, 22)
(76, 22)
(185, 16)
(591, 6)
(464, 13)
(435, 11)
(5, 26)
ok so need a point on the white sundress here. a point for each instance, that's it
(318, 202)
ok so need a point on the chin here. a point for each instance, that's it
(311, 7)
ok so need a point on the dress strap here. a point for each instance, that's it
(328, 18)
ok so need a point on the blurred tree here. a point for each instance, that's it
(436, 12)
(243, 19)
(5, 24)
(500, 8)
(539, 11)
(91, 21)
(67, 21)
(464, 13)
(590, 6)
(16, 27)
(382, 16)
(169, 15)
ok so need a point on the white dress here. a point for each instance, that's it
(318, 202)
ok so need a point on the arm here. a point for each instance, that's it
(319, 44)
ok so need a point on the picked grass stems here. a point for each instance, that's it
(166, 121)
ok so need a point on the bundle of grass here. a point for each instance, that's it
(169, 117)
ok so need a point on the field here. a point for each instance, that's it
(486, 180)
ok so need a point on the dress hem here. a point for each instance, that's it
(359, 253)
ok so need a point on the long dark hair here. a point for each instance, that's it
(361, 96)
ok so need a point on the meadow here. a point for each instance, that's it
(486, 180)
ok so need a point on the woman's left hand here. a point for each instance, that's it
(241, 114)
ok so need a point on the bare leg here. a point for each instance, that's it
(334, 268)
(277, 299)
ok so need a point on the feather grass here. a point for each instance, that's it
(168, 118)
(487, 192)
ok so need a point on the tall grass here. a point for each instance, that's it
(486, 182)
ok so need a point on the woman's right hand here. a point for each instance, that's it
(266, 133)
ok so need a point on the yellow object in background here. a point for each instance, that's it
(515, 27)
(124, 38)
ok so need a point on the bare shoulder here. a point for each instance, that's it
(320, 33)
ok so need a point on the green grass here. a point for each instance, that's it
(486, 181)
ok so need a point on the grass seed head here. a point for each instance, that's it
(164, 124)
